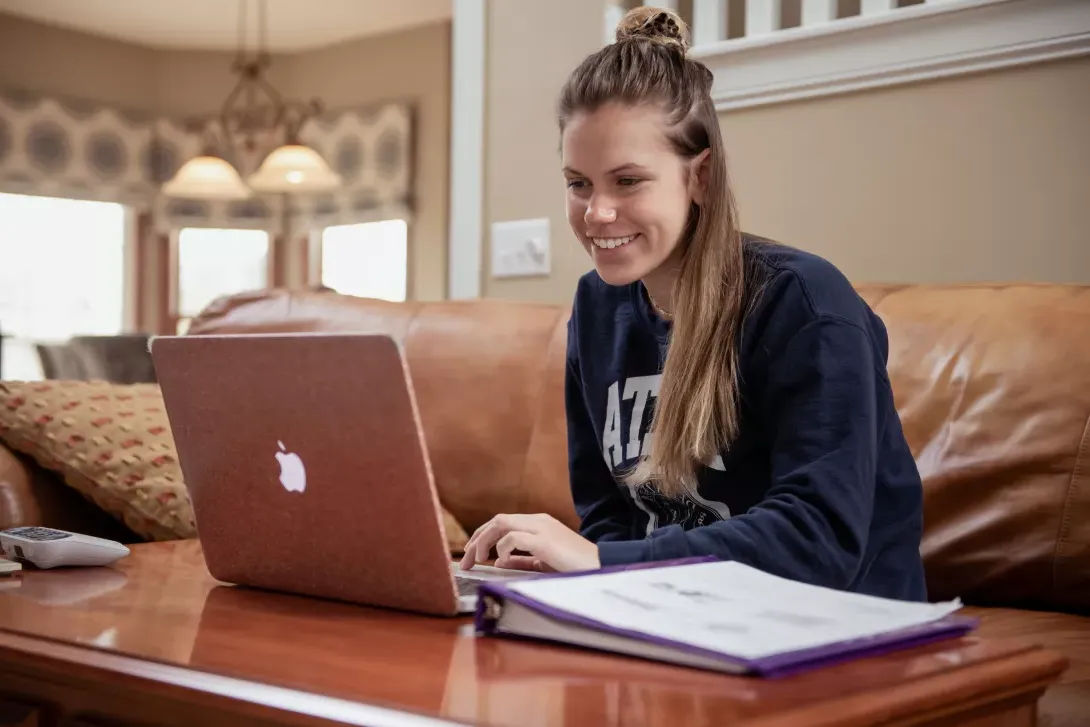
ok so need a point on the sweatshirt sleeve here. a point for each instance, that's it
(818, 414)
(602, 510)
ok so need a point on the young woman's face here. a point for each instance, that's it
(629, 192)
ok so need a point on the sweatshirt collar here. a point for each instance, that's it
(649, 319)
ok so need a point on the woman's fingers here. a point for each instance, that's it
(521, 541)
(479, 547)
(480, 544)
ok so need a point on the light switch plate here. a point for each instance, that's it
(520, 248)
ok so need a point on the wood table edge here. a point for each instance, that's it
(1022, 675)
(81, 663)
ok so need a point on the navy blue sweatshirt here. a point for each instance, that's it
(820, 486)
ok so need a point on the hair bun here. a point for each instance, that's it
(657, 25)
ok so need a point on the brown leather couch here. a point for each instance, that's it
(992, 382)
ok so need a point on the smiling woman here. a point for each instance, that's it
(725, 395)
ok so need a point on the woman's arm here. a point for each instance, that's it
(819, 415)
(603, 513)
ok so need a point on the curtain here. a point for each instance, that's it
(72, 148)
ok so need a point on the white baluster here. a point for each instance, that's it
(818, 11)
(877, 7)
(709, 21)
(614, 15)
(762, 17)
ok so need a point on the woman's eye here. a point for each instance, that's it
(628, 181)
(575, 183)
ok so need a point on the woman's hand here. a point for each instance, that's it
(551, 545)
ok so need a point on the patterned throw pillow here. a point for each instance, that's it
(112, 443)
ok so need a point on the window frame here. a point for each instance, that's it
(168, 272)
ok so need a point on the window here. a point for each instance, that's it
(62, 273)
(216, 262)
(369, 260)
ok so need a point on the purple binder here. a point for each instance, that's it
(493, 594)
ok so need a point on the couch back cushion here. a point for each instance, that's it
(992, 384)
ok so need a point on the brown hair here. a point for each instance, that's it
(696, 415)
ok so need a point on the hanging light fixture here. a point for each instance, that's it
(294, 167)
(255, 118)
(207, 176)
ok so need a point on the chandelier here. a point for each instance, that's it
(254, 118)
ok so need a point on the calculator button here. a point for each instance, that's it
(38, 533)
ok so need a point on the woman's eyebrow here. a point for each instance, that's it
(628, 167)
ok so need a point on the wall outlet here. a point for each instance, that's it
(520, 248)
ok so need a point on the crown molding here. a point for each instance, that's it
(915, 43)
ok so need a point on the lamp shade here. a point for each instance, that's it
(294, 168)
(206, 177)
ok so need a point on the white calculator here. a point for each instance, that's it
(51, 548)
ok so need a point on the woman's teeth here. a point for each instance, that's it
(608, 243)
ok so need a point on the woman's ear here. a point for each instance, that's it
(699, 170)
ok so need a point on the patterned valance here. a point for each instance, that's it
(370, 149)
(63, 148)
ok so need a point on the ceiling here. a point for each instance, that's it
(293, 25)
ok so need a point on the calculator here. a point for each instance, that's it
(51, 548)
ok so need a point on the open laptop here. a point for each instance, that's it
(306, 464)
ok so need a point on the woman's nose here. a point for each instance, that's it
(599, 214)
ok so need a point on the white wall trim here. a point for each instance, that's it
(467, 117)
(919, 42)
(130, 316)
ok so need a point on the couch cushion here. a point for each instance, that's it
(992, 383)
(113, 444)
(478, 372)
(110, 442)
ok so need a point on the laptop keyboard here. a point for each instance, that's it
(466, 586)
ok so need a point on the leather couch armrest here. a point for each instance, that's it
(30, 495)
(18, 504)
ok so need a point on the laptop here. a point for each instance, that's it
(305, 461)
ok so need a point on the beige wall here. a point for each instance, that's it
(983, 177)
(66, 63)
(413, 66)
(196, 82)
(527, 61)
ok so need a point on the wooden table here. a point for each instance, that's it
(155, 640)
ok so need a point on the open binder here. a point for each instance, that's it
(709, 614)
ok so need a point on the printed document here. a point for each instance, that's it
(728, 607)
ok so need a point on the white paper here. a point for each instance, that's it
(728, 607)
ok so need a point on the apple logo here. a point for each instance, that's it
(293, 475)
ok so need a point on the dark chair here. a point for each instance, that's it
(121, 359)
(59, 361)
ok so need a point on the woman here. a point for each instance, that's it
(725, 395)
